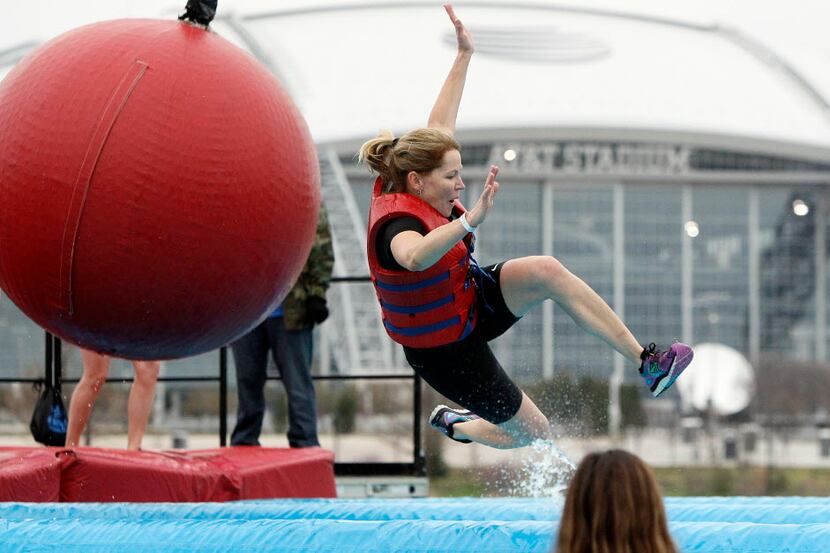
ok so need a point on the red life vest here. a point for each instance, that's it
(425, 308)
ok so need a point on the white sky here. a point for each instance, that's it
(798, 22)
(43, 19)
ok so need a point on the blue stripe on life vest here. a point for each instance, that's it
(419, 330)
(415, 285)
(408, 309)
(468, 328)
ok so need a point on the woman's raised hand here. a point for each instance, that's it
(462, 35)
(478, 213)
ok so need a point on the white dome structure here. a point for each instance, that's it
(719, 381)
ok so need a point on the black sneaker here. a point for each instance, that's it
(444, 417)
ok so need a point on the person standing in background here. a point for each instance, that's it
(287, 335)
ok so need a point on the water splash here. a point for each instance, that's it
(545, 471)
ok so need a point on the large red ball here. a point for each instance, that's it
(158, 189)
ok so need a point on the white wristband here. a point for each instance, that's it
(467, 226)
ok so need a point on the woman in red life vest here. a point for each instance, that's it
(443, 308)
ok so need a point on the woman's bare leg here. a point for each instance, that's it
(96, 367)
(528, 281)
(526, 426)
(140, 403)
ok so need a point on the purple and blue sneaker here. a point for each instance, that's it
(661, 368)
(444, 417)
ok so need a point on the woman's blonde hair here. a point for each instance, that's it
(613, 506)
(420, 150)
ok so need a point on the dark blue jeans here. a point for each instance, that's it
(292, 354)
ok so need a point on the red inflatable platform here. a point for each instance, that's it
(108, 475)
(30, 474)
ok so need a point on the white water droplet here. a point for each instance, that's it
(544, 472)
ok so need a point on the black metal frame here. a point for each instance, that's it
(52, 373)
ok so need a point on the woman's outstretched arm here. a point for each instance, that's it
(445, 110)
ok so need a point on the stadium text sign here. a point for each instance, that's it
(591, 158)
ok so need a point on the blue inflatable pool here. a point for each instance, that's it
(716, 525)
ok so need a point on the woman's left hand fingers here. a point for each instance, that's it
(465, 41)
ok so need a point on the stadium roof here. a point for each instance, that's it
(359, 67)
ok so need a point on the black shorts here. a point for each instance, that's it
(466, 371)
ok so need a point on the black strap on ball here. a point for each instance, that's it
(199, 11)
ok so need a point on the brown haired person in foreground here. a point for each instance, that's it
(613, 505)
(443, 308)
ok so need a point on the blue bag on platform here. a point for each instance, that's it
(49, 419)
